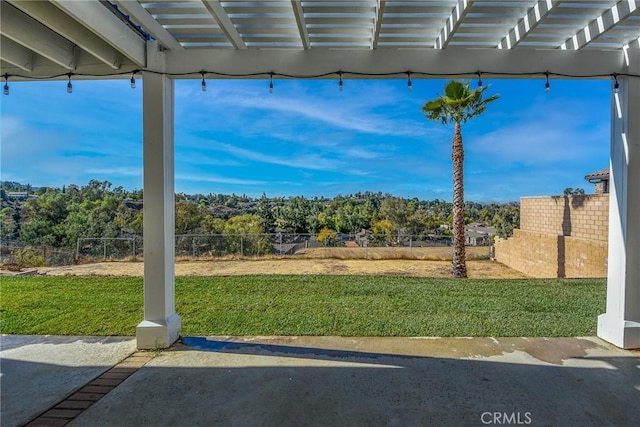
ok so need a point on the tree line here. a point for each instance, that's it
(59, 216)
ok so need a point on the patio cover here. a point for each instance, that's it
(164, 40)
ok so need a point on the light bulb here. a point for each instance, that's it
(547, 85)
(409, 82)
(69, 87)
(6, 89)
(133, 81)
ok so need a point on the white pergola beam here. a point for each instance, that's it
(140, 14)
(95, 16)
(600, 25)
(59, 22)
(226, 25)
(15, 54)
(527, 23)
(380, 6)
(300, 21)
(31, 34)
(452, 24)
(440, 62)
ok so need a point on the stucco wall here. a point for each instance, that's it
(559, 237)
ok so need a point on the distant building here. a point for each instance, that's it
(17, 195)
(478, 234)
(600, 179)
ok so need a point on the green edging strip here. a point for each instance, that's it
(310, 305)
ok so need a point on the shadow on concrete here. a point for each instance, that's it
(39, 371)
(247, 384)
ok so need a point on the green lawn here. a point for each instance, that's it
(309, 305)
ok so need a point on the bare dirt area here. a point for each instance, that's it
(395, 267)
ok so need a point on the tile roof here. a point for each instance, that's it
(602, 174)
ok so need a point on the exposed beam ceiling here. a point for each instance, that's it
(137, 12)
(34, 36)
(59, 22)
(94, 16)
(301, 23)
(103, 36)
(528, 23)
(453, 23)
(220, 15)
(599, 26)
(16, 54)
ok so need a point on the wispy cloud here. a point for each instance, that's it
(311, 161)
(122, 171)
(343, 111)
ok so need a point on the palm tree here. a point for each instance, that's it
(459, 104)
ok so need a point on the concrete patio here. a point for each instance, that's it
(319, 381)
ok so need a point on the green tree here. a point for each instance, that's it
(383, 230)
(458, 105)
(189, 216)
(396, 210)
(327, 236)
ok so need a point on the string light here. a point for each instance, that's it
(203, 84)
(547, 85)
(524, 74)
(616, 85)
(6, 84)
(133, 79)
(69, 85)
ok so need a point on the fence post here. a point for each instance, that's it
(104, 250)
(134, 248)
(77, 248)
(411, 247)
(193, 247)
(241, 247)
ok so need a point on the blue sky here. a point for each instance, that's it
(308, 138)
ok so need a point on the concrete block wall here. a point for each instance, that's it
(585, 217)
(559, 237)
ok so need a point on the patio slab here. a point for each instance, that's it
(38, 371)
(289, 381)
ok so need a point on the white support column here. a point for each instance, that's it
(161, 325)
(620, 325)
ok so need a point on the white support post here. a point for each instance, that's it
(620, 325)
(161, 325)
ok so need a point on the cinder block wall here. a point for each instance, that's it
(559, 237)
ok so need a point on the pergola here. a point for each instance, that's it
(163, 40)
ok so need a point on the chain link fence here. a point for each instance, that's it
(363, 245)
(109, 248)
(20, 256)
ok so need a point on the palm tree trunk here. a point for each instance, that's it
(458, 266)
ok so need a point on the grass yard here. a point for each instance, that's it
(309, 305)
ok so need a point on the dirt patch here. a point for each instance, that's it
(397, 267)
